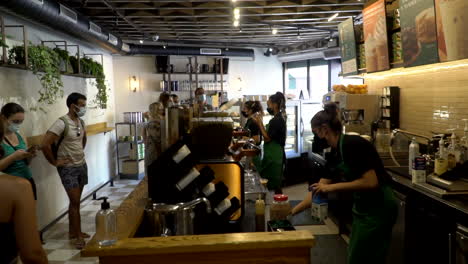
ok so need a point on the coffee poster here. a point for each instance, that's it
(375, 37)
(452, 29)
(348, 47)
(418, 32)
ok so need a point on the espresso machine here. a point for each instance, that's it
(357, 111)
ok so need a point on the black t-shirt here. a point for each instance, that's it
(277, 129)
(253, 128)
(360, 156)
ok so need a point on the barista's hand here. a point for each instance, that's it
(318, 188)
(257, 117)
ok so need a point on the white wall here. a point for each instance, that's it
(21, 86)
(261, 75)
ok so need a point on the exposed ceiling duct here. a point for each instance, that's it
(59, 17)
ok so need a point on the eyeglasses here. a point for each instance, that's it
(78, 131)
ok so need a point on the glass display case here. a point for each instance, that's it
(308, 110)
(293, 144)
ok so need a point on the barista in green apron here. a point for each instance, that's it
(274, 135)
(374, 209)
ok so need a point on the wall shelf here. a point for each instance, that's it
(187, 73)
(91, 130)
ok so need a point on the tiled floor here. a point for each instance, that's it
(61, 251)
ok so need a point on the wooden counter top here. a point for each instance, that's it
(204, 243)
(260, 247)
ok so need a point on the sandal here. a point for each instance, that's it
(79, 243)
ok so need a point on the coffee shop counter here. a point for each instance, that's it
(261, 247)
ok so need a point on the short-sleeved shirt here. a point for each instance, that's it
(361, 156)
(72, 144)
(253, 128)
(277, 129)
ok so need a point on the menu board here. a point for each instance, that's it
(348, 47)
(418, 32)
(375, 37)
(452, 29)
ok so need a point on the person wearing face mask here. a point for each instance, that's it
(200, 105)
(249, 109)
(359, 165)
(16, 153)
(69, 159)
(274, 136)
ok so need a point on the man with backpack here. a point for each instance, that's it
(63, 146)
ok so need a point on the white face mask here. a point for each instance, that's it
(14, 127)
(81, 112)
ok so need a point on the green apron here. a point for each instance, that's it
(271, 166)
(374, 214)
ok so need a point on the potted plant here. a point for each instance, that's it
(65, 65)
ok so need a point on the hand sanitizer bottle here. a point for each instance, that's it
(413, 153)
(441, 162)
(106, 224)
(453, 151)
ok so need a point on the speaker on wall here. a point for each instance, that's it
(161, 64)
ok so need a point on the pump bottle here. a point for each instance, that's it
(106, 224)
(441, 162)
(413, 153)
(453, 152)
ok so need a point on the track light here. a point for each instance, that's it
(155, 38)
(240, 30)
(164, 46)
(270, 49)
(141, 41)
(298, 34)
(236, 23)
(236, 10)
(274, 31)
(332, 17)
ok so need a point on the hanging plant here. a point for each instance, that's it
(65, 65)
(44, 63)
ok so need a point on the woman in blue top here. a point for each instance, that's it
(16, 155)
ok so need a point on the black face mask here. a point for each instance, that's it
(319, 144)
(270, 111)
(244, 114)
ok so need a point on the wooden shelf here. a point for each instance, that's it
(90, 130)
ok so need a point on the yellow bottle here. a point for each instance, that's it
(441, 161)
(260, 214)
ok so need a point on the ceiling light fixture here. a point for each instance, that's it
(234, 1)
(240, 30)
(164, 46)
(236, 23)
(236, 10)
(141, 41)
(333, 17)
(298, 34)
(237, 16)
(270, 49)
(274, 31)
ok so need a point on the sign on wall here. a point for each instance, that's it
(418, 32)
(452, 29)
(348, 47)
(375, 37)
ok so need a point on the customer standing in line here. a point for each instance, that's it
(18, 225)
(274, 136)
(374, 209)
(70, 135)
(250, 108)
(152, 133)
(17, 155)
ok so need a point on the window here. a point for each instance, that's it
(308, 80)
